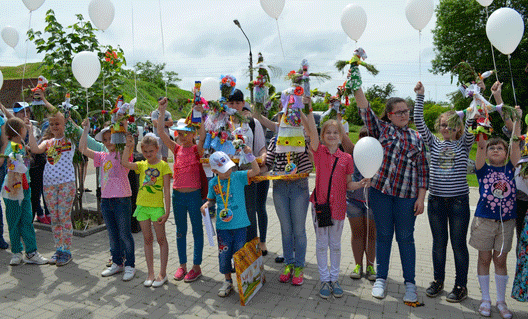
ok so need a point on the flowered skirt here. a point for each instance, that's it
(520, 282)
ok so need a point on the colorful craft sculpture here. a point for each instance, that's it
(354, 82)
(122, 114)
(16, 175)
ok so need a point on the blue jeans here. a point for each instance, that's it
(291, 199)
(257, 197)
(2, 177)
(229, 242)
(394, 214)
(181, 204)
(117, 214)
(452, 211)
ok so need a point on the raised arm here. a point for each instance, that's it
(308, 121)
(33, 146)
(267, 123)
(162, 107)
(347, 144)
(419, 117)
(7, 114)
(201, 141)
(515, 148)
(126, 154)
(255, 169)
(480, 158)
(83, 142)
(361, 99)
(496, 90)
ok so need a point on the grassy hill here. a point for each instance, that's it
(15, 72)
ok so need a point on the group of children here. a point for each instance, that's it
(334, 171)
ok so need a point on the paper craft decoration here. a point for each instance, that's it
(194, 118)
(16, 181)
(42, 84)
(122, 112)
(353, 82)
(262, 88)
(249, 266)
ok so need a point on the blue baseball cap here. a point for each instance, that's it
(19, 106)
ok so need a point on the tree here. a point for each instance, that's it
(154, 73)
(460, 35)
(383, 93)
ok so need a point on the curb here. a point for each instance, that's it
(76, 232)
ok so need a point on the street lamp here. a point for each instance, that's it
(250, 58)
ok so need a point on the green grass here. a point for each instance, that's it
(15, 72)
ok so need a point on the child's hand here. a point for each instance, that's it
(199, 108)
(418, 207)
(129, 140)
(162, 106)
(419, 88)
(306, 99)
(482, 85)
(204, 206)
(86, 123)
(519, 111)
(163, 219)
(496, 88)
(247, 149)
(365, 182)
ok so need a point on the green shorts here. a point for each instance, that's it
(145, 213)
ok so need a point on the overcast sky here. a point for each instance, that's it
(201, 40)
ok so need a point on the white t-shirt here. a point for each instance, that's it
(59, 162)
(155, 115)
(256, 141)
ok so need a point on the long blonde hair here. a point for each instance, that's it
(334, 123)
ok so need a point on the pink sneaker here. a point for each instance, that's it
(43, 220)
(192, 275)
(287, 274)
(180, 273)
(298, 275)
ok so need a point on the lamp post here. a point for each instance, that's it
(250, 59)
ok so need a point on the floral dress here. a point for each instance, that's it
(520, 282)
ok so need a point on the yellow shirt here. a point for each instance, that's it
(150, 192)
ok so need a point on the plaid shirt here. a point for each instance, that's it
(404, 168)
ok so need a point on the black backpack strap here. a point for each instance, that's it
(252, 127)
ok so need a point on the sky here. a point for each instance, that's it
(200, 39)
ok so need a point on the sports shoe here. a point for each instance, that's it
(326, 290)
(112, 270)
(336, 289)
(226, 289)
(53, 259)
(434, 289)
(192, 275)
(457, 294)
(287, 274)
(410, 293)
(42, 219)
(298, 276)
(35, 258)
(357, 272)
(130, 272)
(159, 283)
(370, 273)
(64, 259)
(180, 274)
(16, 259)
(279, 259)
(378, 289)
(110, 262)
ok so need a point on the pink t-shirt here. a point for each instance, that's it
(186, 167)
(324, 161)
(114, 177)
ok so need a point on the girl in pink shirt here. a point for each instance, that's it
(186, 195)
(327, 156)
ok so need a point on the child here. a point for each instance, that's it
(362, 225)
(335, 167)
(494, 221)
(18, 210)
(227, 188)
(186, 194)
(115, 203)
(59, 185)
(153, 202)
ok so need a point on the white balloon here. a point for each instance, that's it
(1, 79)
(86, 68)
(419, 12)
(485, 3)
(210, 89)
(353, 21)
(10, 36)
(368, 156)
(101, 13)
(33, 5)
(505, 29)
(273, 7)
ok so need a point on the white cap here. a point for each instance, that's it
(220, 162)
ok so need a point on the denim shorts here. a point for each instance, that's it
(229, 242)
(357, 209)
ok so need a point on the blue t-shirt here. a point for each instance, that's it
(497, 192)
(236, 216)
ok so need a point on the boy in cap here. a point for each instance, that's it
(231, 218)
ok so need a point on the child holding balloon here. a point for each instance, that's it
(59, 184)
(334, 170)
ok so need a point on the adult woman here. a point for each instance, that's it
(448, 202)
(398, 189)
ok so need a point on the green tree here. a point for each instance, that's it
(460, 35)
(154, 73)
(383, 93)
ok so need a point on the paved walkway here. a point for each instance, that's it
(78, 290)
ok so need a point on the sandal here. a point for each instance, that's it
(503, 310)
(485, 308)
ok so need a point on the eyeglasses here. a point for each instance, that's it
(495, 148)
(400, 113)
(444, 126)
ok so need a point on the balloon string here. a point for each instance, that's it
(103, 93)
(420, 54)
(511, 75)
(133, 50)
(162, 43)
(365, 193)
(492, 51)
(87, 102)
(280, 39)
(25, 60)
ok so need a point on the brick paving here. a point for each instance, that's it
(77, 290)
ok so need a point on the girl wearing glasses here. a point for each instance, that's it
(398, 189)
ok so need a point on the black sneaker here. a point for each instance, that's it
(435, 289)
(457, 294)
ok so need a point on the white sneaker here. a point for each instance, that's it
(130, 272)
(16, 259)
(112, 270)
(378, 289)
(226, 289)
(410, 293)
(35, 258)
